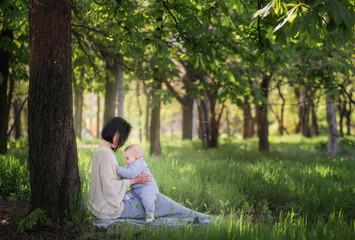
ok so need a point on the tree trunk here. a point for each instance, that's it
(4, 71)
(120, 87)
(155, 123)
(348, 117)
(303, 111)
(140, 113)
(281, 119)
(147, 113)
(52, 156)
(314, 124)
(263, 124)
(110, 96)
(98, 129)
(78, 117)
(187, 117)
(333, 141)
(209, 121)
(248, 123)
(17, 118)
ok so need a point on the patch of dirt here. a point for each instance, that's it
(13, 212)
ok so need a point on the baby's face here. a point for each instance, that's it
(130, 156)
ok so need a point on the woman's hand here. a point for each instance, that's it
(142, 178)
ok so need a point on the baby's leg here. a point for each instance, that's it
(148, 201)
(131, 194)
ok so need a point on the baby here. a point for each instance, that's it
(136, 165)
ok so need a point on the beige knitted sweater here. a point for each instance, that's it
(107, 189)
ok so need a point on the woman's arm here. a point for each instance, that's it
(143, 178)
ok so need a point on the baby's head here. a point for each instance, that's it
(132, 153)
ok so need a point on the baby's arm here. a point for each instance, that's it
(131, 172)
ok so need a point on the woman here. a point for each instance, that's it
(107, 189)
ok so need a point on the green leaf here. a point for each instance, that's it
(331, 26)
(202, 64)
(336, 12)
(197, 63)
(240, 8)
(343, 33)
(346, 16)
(318, 2)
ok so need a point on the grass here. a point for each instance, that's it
(294, 192)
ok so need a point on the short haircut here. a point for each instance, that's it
(136, 148)
(114, 125)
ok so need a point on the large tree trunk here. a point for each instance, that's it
(263, 124)
(52, 153)
(333, 138)
(78, 117)
(4, 71)
(120, 87)
(110, 95)
(155, 123)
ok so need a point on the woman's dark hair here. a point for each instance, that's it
(114, 125)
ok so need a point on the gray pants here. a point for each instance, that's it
(164, 207)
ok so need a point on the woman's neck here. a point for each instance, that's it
(105, 143)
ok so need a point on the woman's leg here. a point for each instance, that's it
(165, 206)
(133, 208)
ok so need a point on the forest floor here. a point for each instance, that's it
(13, 212)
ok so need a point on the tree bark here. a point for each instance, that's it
(281, 119)
(263, 124)
(333, 141)
(147, 113)
(248, 123)
(314, 121)
(348, 117)
(155, 123)
(52, 156)
(120, 87)
(303, 108)
(4, 71)
(140, 114)
(78, 117)
(187, 117)
(98, 117)
(17, 118)
(110, 95)
(209, 120)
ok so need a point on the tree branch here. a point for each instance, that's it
(177, 96)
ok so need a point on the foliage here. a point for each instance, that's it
(37, 217)
(14, 176)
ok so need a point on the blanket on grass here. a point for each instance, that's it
(162, 221)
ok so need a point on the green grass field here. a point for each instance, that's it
(294, 192)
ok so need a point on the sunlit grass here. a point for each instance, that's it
(236, 180)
